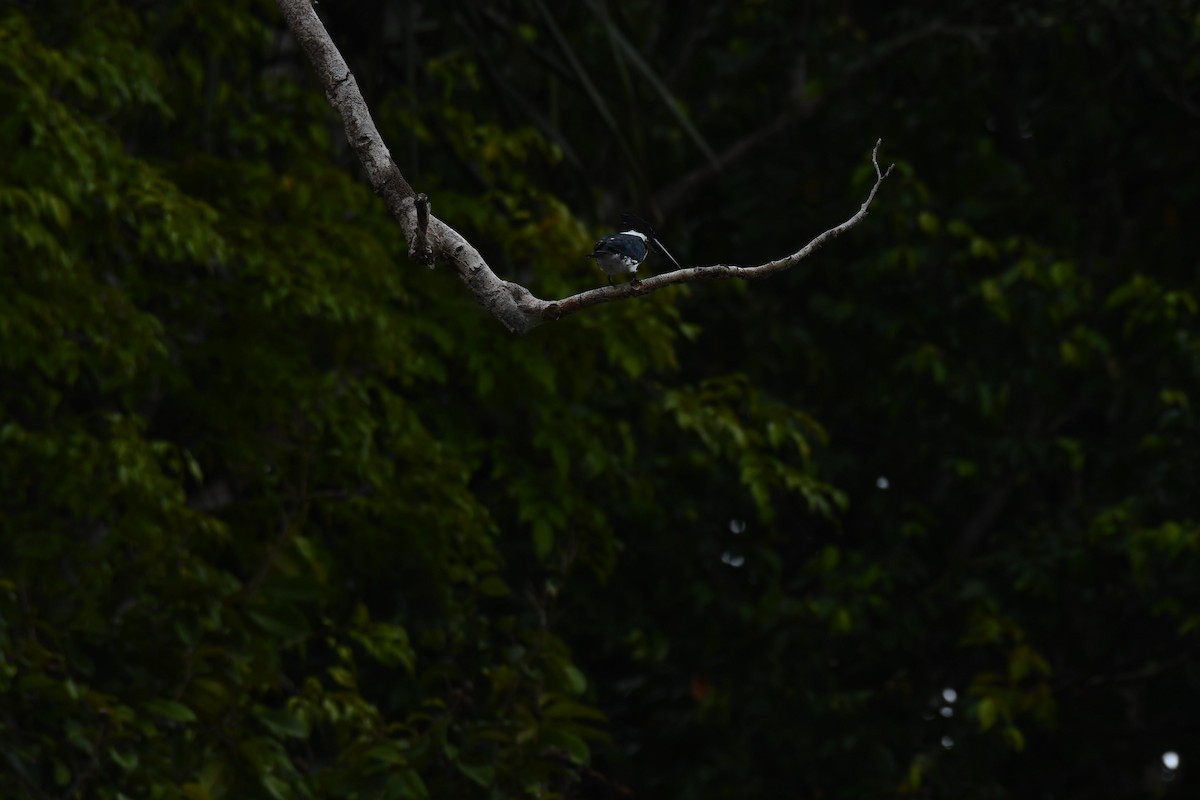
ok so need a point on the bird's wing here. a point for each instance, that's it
(621, 245)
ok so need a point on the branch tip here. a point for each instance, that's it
(879, 174)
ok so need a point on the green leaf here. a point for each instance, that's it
(543, 539)
(170, 709)
(407, 785)
(126, 761)
(575, 746)
(281, 619)
(493, 586)
(485, 776)
(928, 222)
(343, 677)
(1015, 738)
(988, 711)
(559, 708)
(576, 680)
(282, 722)
(275, 787)
(959, 228)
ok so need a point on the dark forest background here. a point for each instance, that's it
(284, 515)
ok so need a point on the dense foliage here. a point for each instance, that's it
(284, 515)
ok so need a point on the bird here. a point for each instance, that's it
(623, 252)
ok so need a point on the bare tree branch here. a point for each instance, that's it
(604, 294)
(430, 238)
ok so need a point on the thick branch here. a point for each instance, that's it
(428, 237)
(504, 300)
(347, 100)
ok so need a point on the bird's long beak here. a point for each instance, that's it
(663, 251)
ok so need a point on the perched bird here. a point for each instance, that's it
(623, 252)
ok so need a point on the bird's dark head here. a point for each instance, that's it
(632, 222)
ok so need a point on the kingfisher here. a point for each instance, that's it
(623, 252)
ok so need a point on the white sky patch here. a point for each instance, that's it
(732, 560)
(882, 482)
(1170, 760)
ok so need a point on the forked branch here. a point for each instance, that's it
(431, 240)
